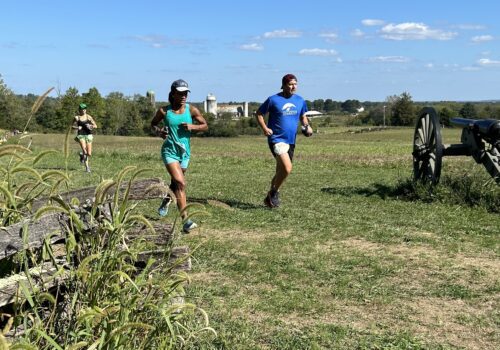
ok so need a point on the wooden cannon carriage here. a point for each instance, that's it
(480, 139)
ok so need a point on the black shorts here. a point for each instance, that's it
(290, 150)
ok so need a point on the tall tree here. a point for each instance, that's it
(95, 103)
(65, 111)
(468, 111)
(350, 106)
(331, 105)
(445, 114)
(403, 110)
(115, 116)
(318, 104)
(375, 116)
(13, 114)
(146, 111)
(133, 125)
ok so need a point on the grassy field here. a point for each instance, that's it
(349, 261)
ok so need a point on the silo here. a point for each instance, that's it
(212, 104)
(245, 109)
(151, 97)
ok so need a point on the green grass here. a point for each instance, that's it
(356, 257)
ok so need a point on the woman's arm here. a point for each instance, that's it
(92, 121)
(75, 124)
(201, 123)
(160, 114)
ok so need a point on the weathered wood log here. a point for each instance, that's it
(11, 236)
(137, 192)
(11, 240)
(39, 275)
(163, 234)
(178, 259)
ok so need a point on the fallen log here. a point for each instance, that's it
(137, 192)
(55, 225)
(11, 237)
(11, 240)
(43, 275)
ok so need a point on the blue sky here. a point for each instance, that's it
(365, 50)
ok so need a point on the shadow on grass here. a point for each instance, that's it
(70, 168)
(226, 204)
(381, 190)
(467, 191)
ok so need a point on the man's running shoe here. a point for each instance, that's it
(163, 209)
(82, 157)
(188, 226)
(272, 199)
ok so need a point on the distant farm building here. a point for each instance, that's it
(312, 114)
(237, 110)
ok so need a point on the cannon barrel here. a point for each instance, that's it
(488, 128)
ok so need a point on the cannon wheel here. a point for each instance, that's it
(427, 147)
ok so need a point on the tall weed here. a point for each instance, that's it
(106, 301)
(470, 190)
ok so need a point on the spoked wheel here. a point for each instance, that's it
(427, 147)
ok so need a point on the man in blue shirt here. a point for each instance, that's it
(285, 109)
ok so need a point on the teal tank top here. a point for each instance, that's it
(177, 144)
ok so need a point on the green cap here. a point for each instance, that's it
(82, 106)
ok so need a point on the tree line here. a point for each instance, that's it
(401, 110)
(117, 114)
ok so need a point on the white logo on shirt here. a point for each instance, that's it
(288, 106)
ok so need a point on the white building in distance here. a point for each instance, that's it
(237, 110)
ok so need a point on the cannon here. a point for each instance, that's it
(480, 139)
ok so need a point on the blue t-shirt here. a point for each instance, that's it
(284, 114)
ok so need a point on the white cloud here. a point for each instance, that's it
(470, 26)
(429, 65)
(470, 68)
(282, 33)
(482, 38)
(393, 59)
(318, 52)
(251, 47)
(329, 37)
(157, 41)
(486, 62)
(357, 33)
(373, 22)
(414, 31)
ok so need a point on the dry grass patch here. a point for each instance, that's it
(438, 319)
(210, 277)
(246, 235)
(368, 160)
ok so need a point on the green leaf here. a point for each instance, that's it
(27, 293)
(54, 173)
(43, 154)
(49, 339)
(48, 209)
